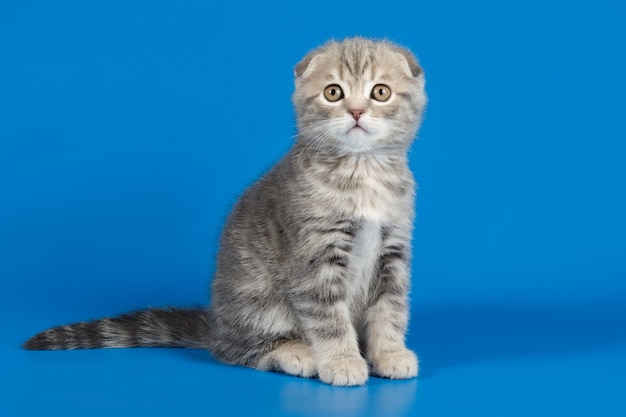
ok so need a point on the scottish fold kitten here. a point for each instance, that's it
(312, 274)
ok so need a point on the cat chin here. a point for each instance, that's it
(361, 139)
(359, 144)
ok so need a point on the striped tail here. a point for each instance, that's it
(169, 327)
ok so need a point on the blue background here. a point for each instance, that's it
(128, 129)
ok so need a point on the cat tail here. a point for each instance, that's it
(152, 327)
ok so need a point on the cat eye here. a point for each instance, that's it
(381, 92)
(333, 93)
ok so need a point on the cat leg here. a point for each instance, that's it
(336, 348)
(385, 349)
(320, 296)
(386, 319)
(293, 357)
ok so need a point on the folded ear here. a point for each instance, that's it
(308, 64)
(409, 63)
(304, 68)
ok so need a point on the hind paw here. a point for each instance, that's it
(293, 358)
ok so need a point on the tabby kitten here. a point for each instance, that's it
(312, 274)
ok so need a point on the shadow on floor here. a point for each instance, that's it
(450, 335)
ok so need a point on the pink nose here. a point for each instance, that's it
(356, 113)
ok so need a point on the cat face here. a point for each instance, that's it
(359, 96)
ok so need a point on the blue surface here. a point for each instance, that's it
(127, 130)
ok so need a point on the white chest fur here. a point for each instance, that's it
(363, 259)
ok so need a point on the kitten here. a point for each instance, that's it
(312, 275)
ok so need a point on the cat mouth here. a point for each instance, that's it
(357, 128)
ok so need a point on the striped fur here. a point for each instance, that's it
(313, 269)
(169, 327)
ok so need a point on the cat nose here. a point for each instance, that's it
(356, 113)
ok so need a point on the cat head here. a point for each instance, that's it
(359, 96)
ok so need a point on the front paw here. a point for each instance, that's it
(344, 371)
(401, 364)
